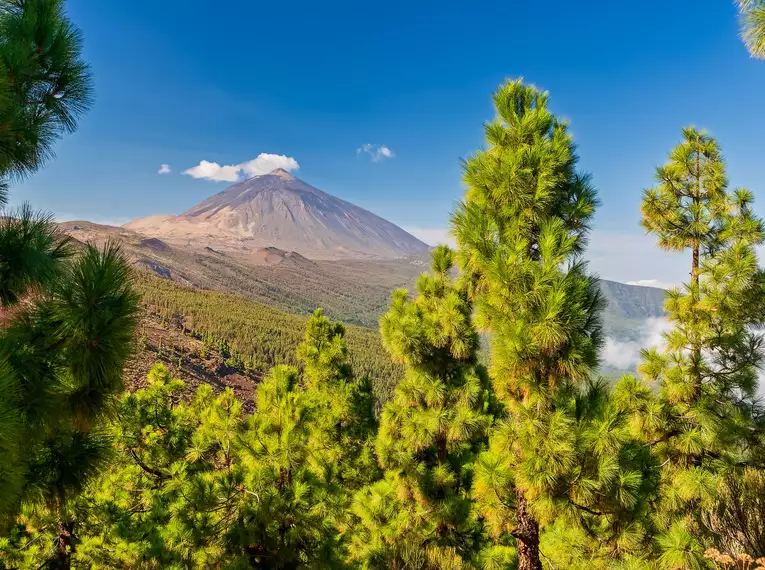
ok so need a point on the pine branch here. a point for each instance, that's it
(155, 473)
(585, 509)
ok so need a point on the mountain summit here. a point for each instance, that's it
(281, 173)
(280, 210)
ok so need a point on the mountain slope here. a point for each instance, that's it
(281, 211)
(633, 301)
(352, 290)
(629, 308)
(257, 336)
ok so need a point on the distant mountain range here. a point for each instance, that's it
(280, 211)
(352, 290)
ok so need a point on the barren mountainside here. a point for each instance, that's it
(281, 211)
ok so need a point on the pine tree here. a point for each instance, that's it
(44, 84)
(753, 26)
(31, 253)
(342, 406)
(171, 494)
(287, 525)
(736, 521)
(342, 423)
(200, 485)
(63, 360)
(564, 452)
(62, 349)
(225, 489)
(420, 514)
(702, 423)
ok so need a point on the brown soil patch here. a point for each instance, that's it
(186, 358)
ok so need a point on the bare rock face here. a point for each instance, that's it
(280, 211)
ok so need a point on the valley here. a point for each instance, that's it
(224, 339)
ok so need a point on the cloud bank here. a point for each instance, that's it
(377, 152)
(262, 164)
(626, 355)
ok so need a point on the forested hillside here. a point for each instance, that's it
(237, 336)
(256, 336)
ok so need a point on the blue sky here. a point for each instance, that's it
(178, 82)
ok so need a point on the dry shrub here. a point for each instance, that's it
(734, 562)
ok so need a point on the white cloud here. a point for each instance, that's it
(262, 164)
(214, 171)
(164, 169)
(378, 152)
(653, 283)
(432, 236)
(265, 163)
(626, 355)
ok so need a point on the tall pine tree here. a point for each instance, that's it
(63, 359)
(703, 423)
(286, 523)
(342, 408)
(69, 323)
(564, 452)
(420, 515)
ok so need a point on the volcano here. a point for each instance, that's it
(281, 211)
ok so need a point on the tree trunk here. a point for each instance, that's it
(695, 271)
(695, 266)
(696, 352)
(63, 556)
(527, 533)
(696, 215)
